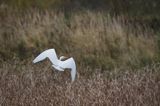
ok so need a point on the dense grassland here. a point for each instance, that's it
(117, 60)
(94, 39)
(39, 85)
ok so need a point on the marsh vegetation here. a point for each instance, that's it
(117, 55)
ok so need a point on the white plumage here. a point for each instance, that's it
(58, 64)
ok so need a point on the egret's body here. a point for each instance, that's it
(58, 64)
(58, 67)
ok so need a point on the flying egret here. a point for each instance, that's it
(58, 64)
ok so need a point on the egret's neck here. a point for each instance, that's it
(61, 58)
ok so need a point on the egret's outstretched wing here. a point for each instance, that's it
(70, 64)
(50, 53)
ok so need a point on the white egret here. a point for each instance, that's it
(58, 64)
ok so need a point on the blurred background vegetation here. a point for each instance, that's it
(136, 11)
(118, 27)
(142, 9)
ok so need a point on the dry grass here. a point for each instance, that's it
(109, 52)
(40, 85)
(94, 38)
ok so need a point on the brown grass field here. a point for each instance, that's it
(117, 61)
(38, 86)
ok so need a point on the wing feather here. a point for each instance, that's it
(70, 64)
(50, 53)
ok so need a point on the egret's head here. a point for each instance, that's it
(62, 58)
